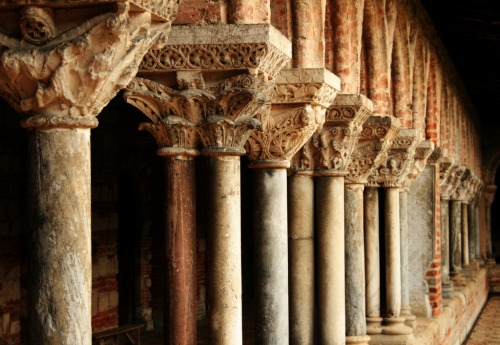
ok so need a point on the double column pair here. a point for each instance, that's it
(59, 84)
(267, 115)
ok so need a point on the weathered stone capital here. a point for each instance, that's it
(489, 194)
(395, 169)
(436, 156)
(474, 189)
(450, 177)
(58, 70)
(300, 99)
(423, 152)
(197, 107)
(461, 184)
(251, 48)
(372, 148)
(329, 150)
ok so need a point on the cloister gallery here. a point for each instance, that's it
(265, 172)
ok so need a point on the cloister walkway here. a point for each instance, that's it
(487, 329)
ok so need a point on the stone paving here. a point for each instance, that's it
(487, 329)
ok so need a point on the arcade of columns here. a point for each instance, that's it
(350, 99)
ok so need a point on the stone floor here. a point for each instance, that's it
(487, 329)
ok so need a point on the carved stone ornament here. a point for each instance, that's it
(454, 180)
(489, 194)
(219, 118)
(252, 48)
(423, 152)
(329, 150)
(300, 99)
(461, 190)
(376, 138)
(436, 156)
(75, 74)
(475, 186)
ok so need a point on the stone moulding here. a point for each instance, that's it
(423, 152)
(255, 48)
(395, 169)
(78, 72)
(165, 10)
(300, 99)
(372, 148)
(329, 151)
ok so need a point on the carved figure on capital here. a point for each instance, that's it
(73, 72)
(451, 179)
(463, 186)
(423, 153)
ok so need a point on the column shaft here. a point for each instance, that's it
(372, 249)
(477, 232)
(271, 256)
(445, 241)
(392, 252)
(301, 258)
(330, 260)
(472, 231)
(403, 218)
(465, 236)
(60, 259)
(354, 261)
(455, 231)
(224, 252)
(489, 246)
(181, 250)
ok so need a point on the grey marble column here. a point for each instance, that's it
(472, 231)
(406, 310)
(271, 256)
(477, 233)
(395, 323)
(465, 236)
(372, 267)
(60, 279)
(456, 237)
(301, 258)
(354, 261)
(489, 246)
(224, 252)
(330, 260)
(447, 284)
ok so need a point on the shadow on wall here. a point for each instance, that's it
(495, 222)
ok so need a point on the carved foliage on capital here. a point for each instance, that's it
(436, 156)
(461, 184)
(372, 148)
(220, 118)
(423, 152)
(446, 165)
(78, 72)
(395, 169)
(298, 109)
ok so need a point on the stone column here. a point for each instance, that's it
(489, 195)
(59, 85)
(477, 232)
(372, 250)
(301, 258)
(456, 237)
(472, 231)
(447, 284)
(295, 116)
(465, 235)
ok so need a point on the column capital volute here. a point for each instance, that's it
(196, 107)
(424, 150)
(300, 99)
(393, 171)
(62, 73)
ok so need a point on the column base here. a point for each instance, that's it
(480, 261)
(357, 339)
(468, 271)
(474, 264)
(410, 319)
(383, 339)
(458, 279)
(448, 290)
(373, 325)
(396, 326)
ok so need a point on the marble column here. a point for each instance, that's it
(405, 279)
(456, 237)
(372, 250)
(330, 259)
(395, 323)
(180, 197)
(301, 258)
(447, 284)
(465, 236)
(477, 233)
(355, 265)
(489, 245)
(271, 255)
(472, 231)
(60, 277)
(224, 251)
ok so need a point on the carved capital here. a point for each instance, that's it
(372, 148)
(489, 194)
(423, 152)
(461, 184)
(436, 156)
(446, 166)
(73, 72)
(300, 99)
(253, 48)
(394, 170)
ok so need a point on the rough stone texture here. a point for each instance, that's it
(420, 238)
(271, 256)
(301, 259)
(330, 259)
(224, 252)
(354, 261)
(60, 265)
